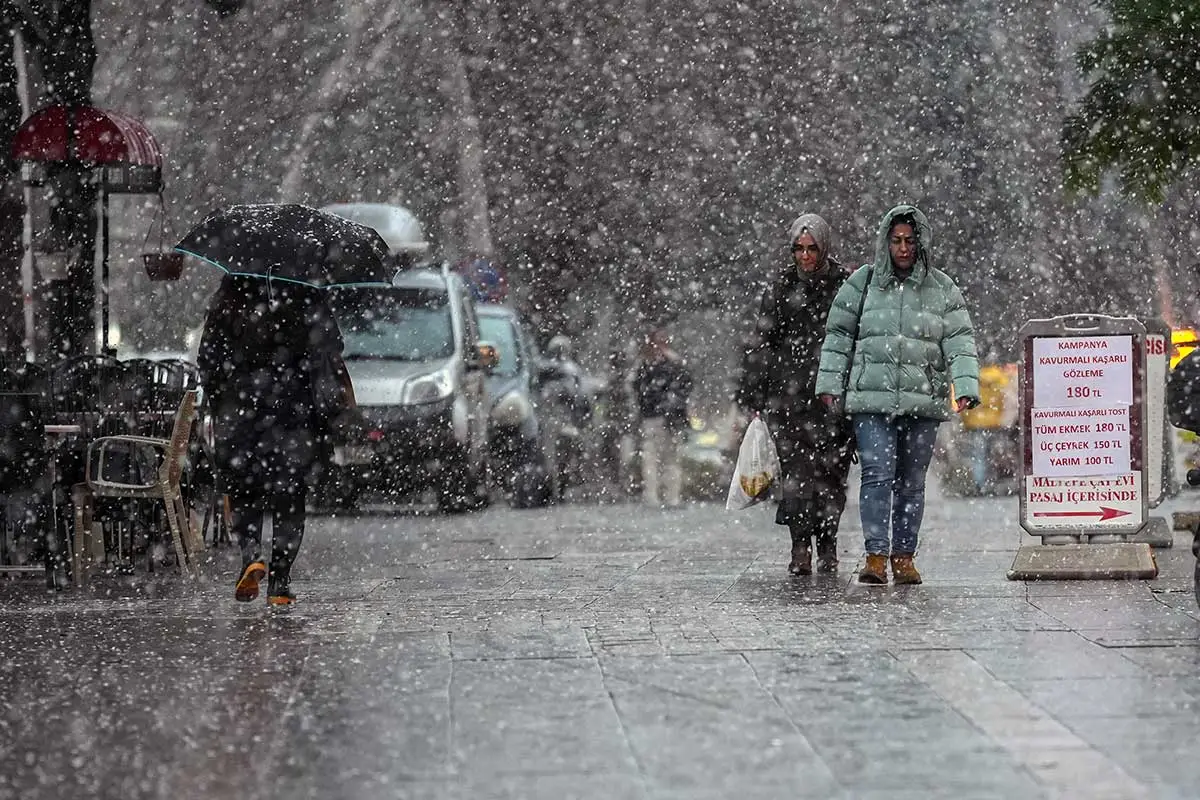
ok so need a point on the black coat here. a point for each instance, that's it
(663, 388)
(258, 358)
(779, 365)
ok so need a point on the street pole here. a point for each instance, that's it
(23, 95)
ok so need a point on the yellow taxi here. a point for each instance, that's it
(1183, 341)
(981, 446)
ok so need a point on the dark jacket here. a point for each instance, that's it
(663, 388)
(780, 362)
(779, 375)
(258, 358)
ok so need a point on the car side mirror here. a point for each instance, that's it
(487, 356)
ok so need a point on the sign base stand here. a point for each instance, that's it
(1066, 562)
(1156, 533)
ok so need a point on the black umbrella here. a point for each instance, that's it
(290, 242)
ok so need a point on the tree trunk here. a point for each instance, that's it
(331, 86)
(474, 217)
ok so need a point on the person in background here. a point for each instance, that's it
(899, 336)
(560, 351)
(778, 380)
(663, 385)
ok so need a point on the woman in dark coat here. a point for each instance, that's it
(265, 345)
(779, 373)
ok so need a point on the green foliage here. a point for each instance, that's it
(1141, 114)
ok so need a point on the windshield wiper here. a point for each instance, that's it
(374, 357)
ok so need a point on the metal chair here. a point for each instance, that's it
(131, 455)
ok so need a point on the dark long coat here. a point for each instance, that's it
(258, 356)
(663, 387)
(778, 378)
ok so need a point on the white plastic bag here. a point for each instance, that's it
(757, 467)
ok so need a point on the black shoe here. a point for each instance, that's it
(279, 593)
(827, 560)
(801, 561)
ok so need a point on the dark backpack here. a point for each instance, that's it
(1183, 393)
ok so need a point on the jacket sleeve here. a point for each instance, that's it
(840, 331)
(958, 346)
(683, 382)
(756, 356)
(214, 355)
(639, 383)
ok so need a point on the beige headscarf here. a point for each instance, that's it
(816, 227)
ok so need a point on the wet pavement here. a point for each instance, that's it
(606, 652)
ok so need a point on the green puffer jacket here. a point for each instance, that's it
(915, 337)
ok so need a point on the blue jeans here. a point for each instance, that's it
(895, 454)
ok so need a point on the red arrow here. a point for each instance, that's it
(1104, 513)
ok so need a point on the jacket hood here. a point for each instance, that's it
(883, 257)
(816, 227)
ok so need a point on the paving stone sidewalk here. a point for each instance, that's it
(607, 652)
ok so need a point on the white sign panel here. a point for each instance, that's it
(1082, 446)
(1156, 409)
(1081, 441)
(1082, 371)
(1075, 503)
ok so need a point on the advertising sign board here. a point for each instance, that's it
(1083, 426)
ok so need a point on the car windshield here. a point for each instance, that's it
(394, 324)
(499, 331)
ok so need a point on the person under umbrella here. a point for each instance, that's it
(259, 364)
(271, 366)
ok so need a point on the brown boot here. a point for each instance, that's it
(875, 571)
(904, 571)
(801, 560)
(827, 560)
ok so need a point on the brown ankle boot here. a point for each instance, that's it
(801, 560)
(827, 560)
(875, 571)
(904, 571)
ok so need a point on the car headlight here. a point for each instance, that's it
(513, 409)
(429, 388)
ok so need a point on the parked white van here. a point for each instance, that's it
(396, 224)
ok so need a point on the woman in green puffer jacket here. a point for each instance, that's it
(897, 338)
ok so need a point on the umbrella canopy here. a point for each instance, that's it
(290, 242)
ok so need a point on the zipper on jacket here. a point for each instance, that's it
(899, 348)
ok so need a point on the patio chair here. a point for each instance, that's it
(151, 469)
